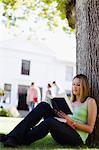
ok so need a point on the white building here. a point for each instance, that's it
(24, 61)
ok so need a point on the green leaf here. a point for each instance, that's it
(45, 9)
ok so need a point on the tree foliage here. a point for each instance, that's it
(49, 10)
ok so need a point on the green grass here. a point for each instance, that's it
(46, 143)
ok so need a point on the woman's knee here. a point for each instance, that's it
(43, 105)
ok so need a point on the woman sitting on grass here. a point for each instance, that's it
(73, 131)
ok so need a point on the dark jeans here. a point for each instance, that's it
(28, 131)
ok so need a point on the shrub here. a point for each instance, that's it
(5, 113)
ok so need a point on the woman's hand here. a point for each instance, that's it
(62, 114)
(69, 121)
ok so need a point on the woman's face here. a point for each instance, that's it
(76, 87)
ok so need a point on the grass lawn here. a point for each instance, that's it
(46, 143)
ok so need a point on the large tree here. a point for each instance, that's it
(87, 49)
(87, 33)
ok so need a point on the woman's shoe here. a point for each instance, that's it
(10, 142)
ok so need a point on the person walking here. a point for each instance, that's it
(48, 95)
(75, 129)
(55, 89)
(32, 96)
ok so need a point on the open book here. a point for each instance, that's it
(61, 102)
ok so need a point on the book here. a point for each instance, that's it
(61, 102)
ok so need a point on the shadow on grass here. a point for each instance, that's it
(46, 143)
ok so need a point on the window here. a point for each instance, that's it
(7, 87)
(69, 73)
(7, 96)
(25, 67)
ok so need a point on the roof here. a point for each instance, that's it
(23, 44)
(27, 45)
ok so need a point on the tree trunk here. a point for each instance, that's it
(87, 49)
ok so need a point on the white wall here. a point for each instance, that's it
(44, 69)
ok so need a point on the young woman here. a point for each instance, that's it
(72, 132)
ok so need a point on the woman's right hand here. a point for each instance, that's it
(69, 121)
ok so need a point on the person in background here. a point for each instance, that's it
(38, 96)
(32, 96)
(55, 89)
(48, 95)
(73, 131)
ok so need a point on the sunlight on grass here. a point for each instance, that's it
(8, 123)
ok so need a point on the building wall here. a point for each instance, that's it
(43, 69)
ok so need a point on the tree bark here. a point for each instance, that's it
(87, 48)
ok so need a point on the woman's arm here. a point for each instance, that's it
(92, 113)
(69, 121)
